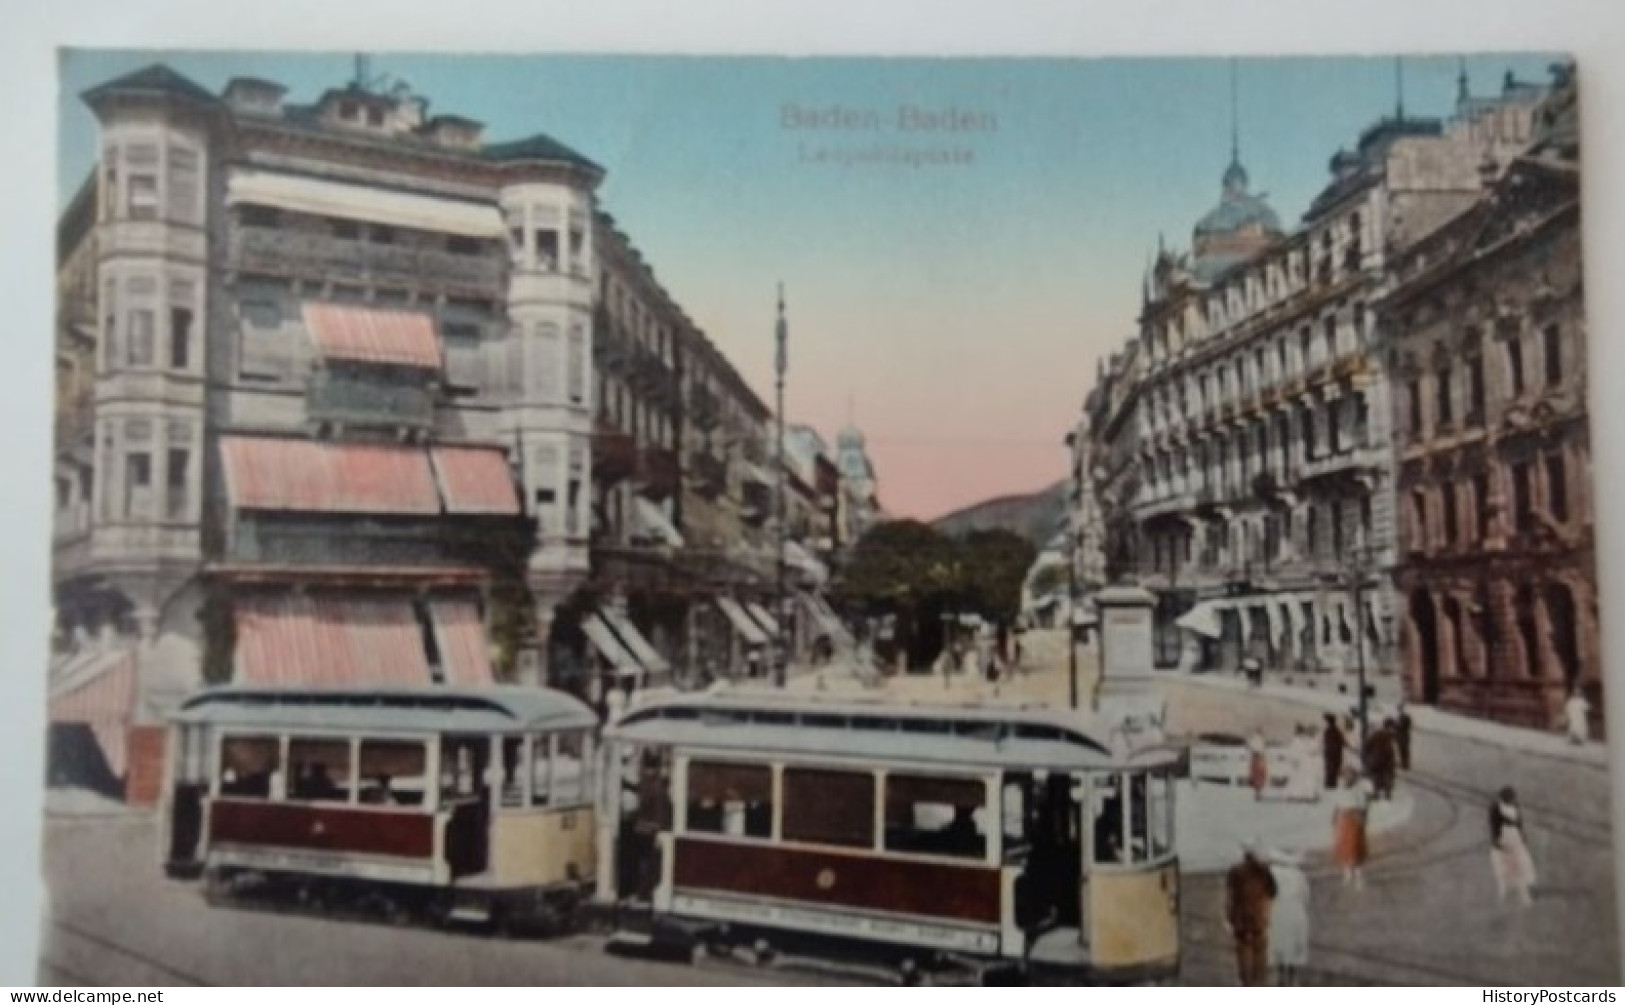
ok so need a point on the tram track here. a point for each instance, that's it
(102, 944)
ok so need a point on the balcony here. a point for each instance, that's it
(320, 259)
(345, 399)
(614, 454)
(75, 422)
(658, 472)
(1356, 460)
(710, 474)
(1165, 505)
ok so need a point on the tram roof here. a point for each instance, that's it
(498, 709)
(985, 735)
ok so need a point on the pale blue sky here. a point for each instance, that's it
(962, 307)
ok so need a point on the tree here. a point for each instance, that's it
(993, 566)
(1049, 579)
(905, 569)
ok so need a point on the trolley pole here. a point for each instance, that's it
(780, 364)
(1072, 614)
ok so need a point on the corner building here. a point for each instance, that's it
(1259, 510)
(328, 412)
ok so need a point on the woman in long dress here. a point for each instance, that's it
(1349, 828)
(1509, 853)
(1258, 767)
(1289, 919)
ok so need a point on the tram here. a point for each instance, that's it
(1014, 842)
(448, 804)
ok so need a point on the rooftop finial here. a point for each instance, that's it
(1399, 88)
(782, 332)
(1235, 118)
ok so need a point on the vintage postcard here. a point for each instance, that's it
(640, 520)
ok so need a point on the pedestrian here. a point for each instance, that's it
(1514, 867)
(1577, 713)
(1332, 742)
(1402, 735)
(1305, 777)
(1249, 891)
(1349, 846)
(1258, 765)
(1382, 760)
(1289, 919)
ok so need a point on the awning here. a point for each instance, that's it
(370, 335)
(366, 203)
(317, 476)
(654, 523)
(633, 641)
(1278, 619)
(821, 616)
(769, 623)
(747, 629)
(475, 480)
(1203, 619)
(755, 473)
(1300, 621)
(459, 634)
(797, 556)
(609, 647)
(100, 694)
(1373, 610)
(341, 642)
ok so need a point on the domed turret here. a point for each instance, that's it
(1240, 226)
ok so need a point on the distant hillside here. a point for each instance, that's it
(1032, 516)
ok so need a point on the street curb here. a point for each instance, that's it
(1426, 720)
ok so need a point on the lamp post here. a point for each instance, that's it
(780, 364)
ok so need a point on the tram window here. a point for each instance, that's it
(572, 770)
(321, 770)
(1028, 732)
(393, 772)
(1015, 813)
(247, 766)
(936, 816)
(732, 799)
(462, 763)
(513, 775)
(1162, 815)
(541, 785)
(927, 726)
(1109, 811)
(1139, 817)
(829, 807)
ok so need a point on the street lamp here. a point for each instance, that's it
(780, 365)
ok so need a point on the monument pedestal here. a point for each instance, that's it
(1126, 692)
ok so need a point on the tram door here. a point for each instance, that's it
(189, 784)
(1048, 893)
(465, 790)
(645, 808)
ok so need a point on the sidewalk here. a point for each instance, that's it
(1427, 720)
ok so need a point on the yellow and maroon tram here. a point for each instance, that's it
(997, 839)
(450, 803)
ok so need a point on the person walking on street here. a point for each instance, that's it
(1349, 845)
(1332, 742)
(1258, 765)
(1577, 712)
(1249, 893)
(1402, 735)
(1289, 919)
(1382, 760)
(1509, 853)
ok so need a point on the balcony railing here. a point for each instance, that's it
(321, 258)
(1358, 458)
(353, 401)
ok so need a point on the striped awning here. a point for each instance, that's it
(821, 616)
(1203, 619)
(634, 640)
(265, 472)
(100, 693)
(475, 480)
(747, 629)
(769, 623)
(459, 634)
(319, 642)
(654, 523)
(609, 647)
(364, 203)
(369, 335)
